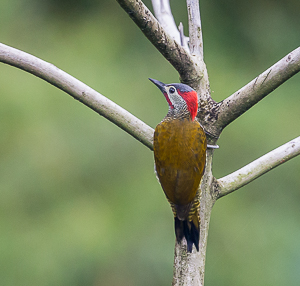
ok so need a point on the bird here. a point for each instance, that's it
(179, 145)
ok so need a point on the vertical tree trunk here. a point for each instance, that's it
(189, 268)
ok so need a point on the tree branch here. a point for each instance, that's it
(195, 31)
(242, 100)
(255, 169)
(163, 14)
(166, 45)
(99, 103)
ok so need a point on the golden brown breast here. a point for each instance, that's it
(180, 154)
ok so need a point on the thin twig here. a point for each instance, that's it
(183, 39)
(258, 167)
(99, 103)
(242, 100)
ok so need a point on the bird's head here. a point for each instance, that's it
(180, 97)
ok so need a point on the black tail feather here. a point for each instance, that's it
(189, 231)
(179, 229)
(195, 235)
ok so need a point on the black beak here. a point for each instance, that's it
(159, 84)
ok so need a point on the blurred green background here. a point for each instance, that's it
(79, 201)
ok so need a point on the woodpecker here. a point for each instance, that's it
(180, 153)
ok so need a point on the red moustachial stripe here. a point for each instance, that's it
(168, 100)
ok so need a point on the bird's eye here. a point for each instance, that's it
(172, 90)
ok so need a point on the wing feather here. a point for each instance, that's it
(179, 153)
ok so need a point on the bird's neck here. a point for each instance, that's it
(178, 114)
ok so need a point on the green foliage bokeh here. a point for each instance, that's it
(79, 201)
